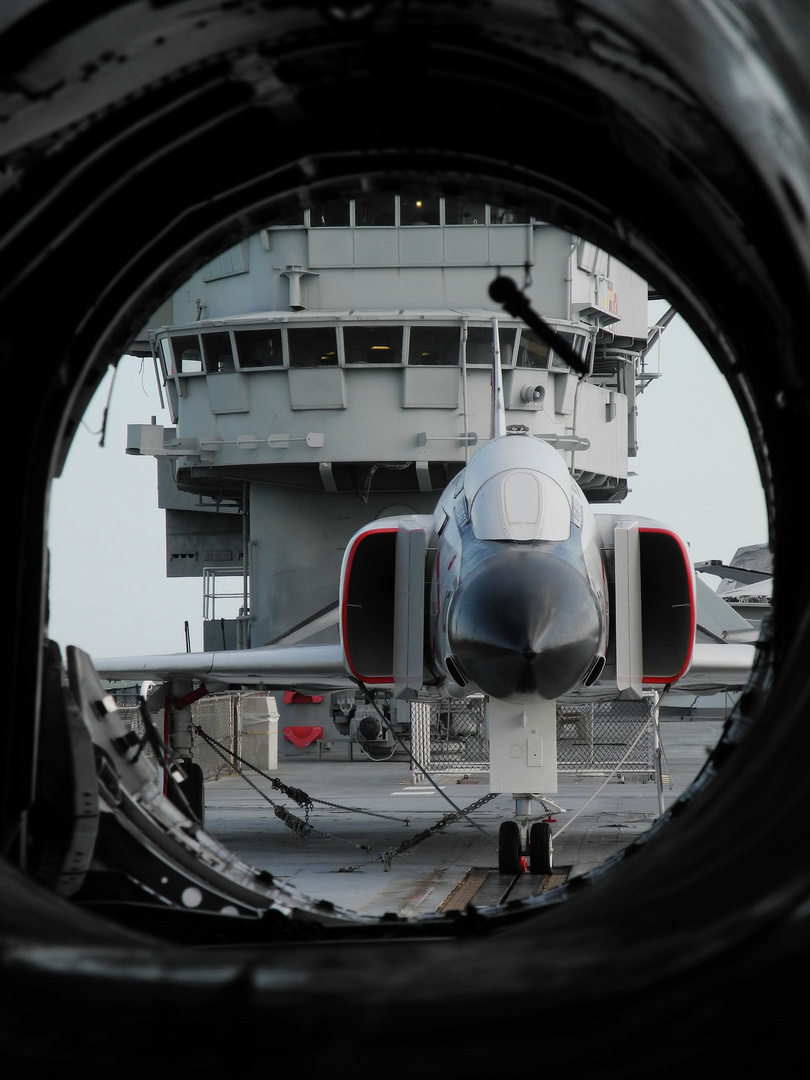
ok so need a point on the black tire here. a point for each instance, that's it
(192, 790)
(540, 848)
(509, 851)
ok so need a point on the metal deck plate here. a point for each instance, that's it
(485, 887)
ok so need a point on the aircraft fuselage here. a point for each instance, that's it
(518, 603)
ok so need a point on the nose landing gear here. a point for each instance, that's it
(510, 848)
(512, 843)
(541, 849)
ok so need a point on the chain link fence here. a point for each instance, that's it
(445, 736)
(219, 715)
(593, 737)
(449, 737)
(231, 719)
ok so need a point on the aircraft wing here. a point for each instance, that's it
(741, 574)
(310, 667)
(714, 667)
(718, 666)
(717, 620)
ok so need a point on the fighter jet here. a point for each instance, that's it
(513, 589)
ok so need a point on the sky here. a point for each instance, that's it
(695, 469)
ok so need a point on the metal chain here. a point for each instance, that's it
(296, 794)
(407, 847)
(416, 764)
(304, 829)
(296, 825)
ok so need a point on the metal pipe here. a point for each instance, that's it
(464, 391)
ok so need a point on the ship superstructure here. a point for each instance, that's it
(335, 367)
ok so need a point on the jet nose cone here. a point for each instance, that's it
(525, 622)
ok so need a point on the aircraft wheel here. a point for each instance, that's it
(509, 848)
(540, 848)
(193, 788)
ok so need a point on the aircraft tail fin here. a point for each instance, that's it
(498, 425)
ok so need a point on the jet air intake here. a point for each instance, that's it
(526, 622)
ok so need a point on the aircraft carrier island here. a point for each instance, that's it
(335, 368)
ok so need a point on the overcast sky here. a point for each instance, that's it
(695, 467)
(109, 593)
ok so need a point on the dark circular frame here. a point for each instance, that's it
(139, 140)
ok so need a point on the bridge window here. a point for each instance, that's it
(187, 354)
(218, 352)
(372, 344)
(312, 346)
(259, 348)
(374, 210)
(532, 352)
(503, 215)
(479, 345)
(577, 343)
(377, 210)
(434, 345)
(464, 212)
(289, 218)
(332, 214)
(418, 211)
